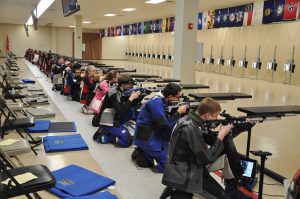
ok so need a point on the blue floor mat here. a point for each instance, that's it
(40, 126)
(75, 181)
(99, 195)
(28, 81)
(64, 143)
(62, 127)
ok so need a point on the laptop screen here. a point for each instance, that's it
(248, 168)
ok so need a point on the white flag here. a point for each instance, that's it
(258, 13)
(205, 19)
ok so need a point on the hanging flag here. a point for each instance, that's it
(167, 24)
(147, 27)
(7, 43)
(290, 10)
(156, 25)
(268, 11)
(172, 24)
(225, 17)
(142, 27)
(122, 30)
(106, 32)
(126, 29)
(248, 14)
(199, 21)
(112, 31)
(232, 17)
(153, 26)
(278, 10)
(160, 25)
(218, 19)
(211, 19)
(164, 25)
(139, 28)
(134, 27)
(258, 10)
(205, 20)
(240, 15)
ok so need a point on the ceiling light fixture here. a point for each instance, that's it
(155, 1)
(129, 9)
(110, 15)
(40, 9)
(72, 26)
(87, 22)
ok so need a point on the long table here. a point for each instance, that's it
(188, 86)
(220, 96)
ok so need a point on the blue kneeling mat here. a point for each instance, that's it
(99, 195)
(64, 143)
(62, 127)
(28, 81)
(75, 181)
(40, 126)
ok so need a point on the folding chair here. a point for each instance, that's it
(18, 148)
(45, 180)
(11, 121)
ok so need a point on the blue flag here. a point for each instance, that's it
(239, 15)
(218, 19)
(160, 25)
(224, 17)
(139, 28)
(199, 21)
(278, 10)
(232, 17)
(268, 12)
(172, 24)
(156, 25)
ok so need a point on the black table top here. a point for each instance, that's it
(187, 86)
(270, 110)
(144, 76)
(166, 80)
(220, 96)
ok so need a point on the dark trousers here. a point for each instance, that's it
(211, 189)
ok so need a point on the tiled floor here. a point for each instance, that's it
(280, 137)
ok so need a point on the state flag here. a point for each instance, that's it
(239, 15)
(248, 14)
(290, 10)
(232, 17)
(164, 25)
(258, 12)
(205, 20)
(268, 12)
(139, 31)
(160, 25)
(278, 10)
(218, 18)
(167, 24)
(225, 17)
(211, 19)
(199, 21)
(172, 24)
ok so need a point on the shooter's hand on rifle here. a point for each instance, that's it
(224, 130)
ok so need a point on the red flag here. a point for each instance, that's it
(290, 9)
(7, 43)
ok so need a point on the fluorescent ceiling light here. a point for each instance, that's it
(71, 26)
(110, 15)
(43, 6)
(87, 22)
(129, 9)
(40, 9)
(30, 21)
(155, 1)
